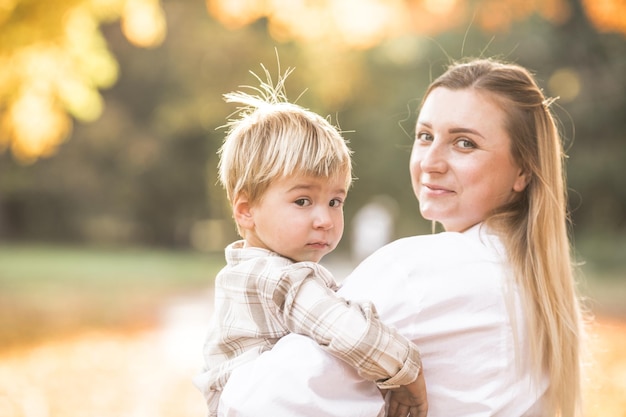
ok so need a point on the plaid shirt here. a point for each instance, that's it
(261, 296)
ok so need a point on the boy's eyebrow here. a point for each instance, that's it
(306, 186)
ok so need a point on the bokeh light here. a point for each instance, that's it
(607, 15)
(565, 84)
(54, 73)
(143, 23)
(79, 63)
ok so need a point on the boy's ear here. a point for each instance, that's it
(242, 213)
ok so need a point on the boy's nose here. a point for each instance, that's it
(322, 220)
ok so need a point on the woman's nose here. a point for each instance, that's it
(433, 158)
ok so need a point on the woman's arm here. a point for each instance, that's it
(297, 378)
(352, 332)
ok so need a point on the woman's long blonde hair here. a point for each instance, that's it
(534, 228)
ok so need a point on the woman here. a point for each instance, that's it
(491, 302)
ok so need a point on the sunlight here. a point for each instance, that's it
(440, 7)
(498, 16)
(607, 15)
(294, 20)
(53, 61)
(143, 23)
(81, 101)
(87, 48)
(37, 124)
(49, 80)
(236, 13)
(365, 24)
(362, 24)
(345, 23)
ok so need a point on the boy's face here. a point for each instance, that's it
(298, 217)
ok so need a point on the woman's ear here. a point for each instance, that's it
(242, 213)
(522, 180)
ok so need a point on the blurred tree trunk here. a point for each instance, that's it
(2, 227)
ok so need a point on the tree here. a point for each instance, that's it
(144, 171)
(53, 62)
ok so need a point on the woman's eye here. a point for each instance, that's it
(425, 136)
(466, 144)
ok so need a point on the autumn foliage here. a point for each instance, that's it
(53, 62)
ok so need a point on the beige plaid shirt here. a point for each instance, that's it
(261, 296)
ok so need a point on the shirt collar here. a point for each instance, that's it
(237, 252)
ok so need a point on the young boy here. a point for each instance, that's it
(286, 171)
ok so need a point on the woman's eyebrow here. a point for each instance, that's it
(453, 129)
(465, 130)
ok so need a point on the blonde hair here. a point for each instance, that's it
(272, 138)
(534, 228)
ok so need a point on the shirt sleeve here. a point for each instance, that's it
(348, 330)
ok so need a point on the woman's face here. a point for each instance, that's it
(461, 164)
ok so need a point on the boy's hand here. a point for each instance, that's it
(408, 400)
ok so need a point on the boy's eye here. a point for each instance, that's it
(302, 202)
(335, 202)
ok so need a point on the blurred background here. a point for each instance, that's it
(112, 225)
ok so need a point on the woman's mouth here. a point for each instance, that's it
(433, 189)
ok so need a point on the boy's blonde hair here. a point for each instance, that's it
(272, 138)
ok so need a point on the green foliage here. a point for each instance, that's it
(48, 290)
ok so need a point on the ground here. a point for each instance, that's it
(148, 372)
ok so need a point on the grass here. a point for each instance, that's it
(47, 289)
(51, 289)
(24, 265)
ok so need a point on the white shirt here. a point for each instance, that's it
(451, 294)
(261, 296)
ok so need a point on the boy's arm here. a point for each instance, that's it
(351, 331)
